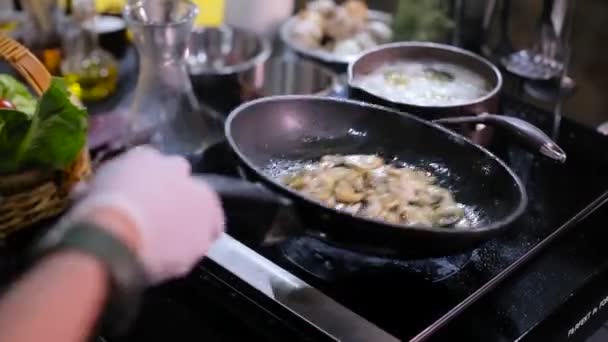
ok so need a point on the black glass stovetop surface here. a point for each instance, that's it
(404, 297)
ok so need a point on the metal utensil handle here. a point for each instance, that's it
(526, 133)
(230, 188)
(262, 215)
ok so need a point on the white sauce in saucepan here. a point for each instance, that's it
(424, 83)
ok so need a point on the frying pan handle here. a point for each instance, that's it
(253, 212)
(527, 134)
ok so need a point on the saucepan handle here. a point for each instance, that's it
(253, 211)
(526, 133)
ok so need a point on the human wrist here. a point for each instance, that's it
(74, 260)
(102, 241)
(117, 223)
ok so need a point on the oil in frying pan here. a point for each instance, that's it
(278, 169)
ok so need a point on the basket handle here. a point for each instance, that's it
(28, 66)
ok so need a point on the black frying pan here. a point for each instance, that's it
(272, 133)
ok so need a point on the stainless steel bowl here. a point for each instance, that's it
(224, 51)
(278, 76)
(215, 59)
(286, 33)
(395, 52)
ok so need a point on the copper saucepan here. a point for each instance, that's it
(463, 114)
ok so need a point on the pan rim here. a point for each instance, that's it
(504, 222)
(439, 46)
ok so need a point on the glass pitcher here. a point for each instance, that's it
(165, 111)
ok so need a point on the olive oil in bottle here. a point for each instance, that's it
(94, 79)
(90, 72)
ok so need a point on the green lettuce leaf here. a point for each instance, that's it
(50, 139)
(15, 92)
(14, 125)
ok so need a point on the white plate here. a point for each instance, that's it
(320, 54)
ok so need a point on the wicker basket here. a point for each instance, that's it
(32, 196)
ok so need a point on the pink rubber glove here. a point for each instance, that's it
(176, 217)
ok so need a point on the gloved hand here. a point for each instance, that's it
(176, 217)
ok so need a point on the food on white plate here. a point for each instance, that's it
(323, 7)
(379, 31)
(343, 30)
(309, 29)
(364, 185)
(424, 83)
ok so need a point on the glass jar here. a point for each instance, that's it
(90, 72)
(165, 111)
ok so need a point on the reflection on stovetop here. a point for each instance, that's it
(426, 290)
(375, 287)
(331, 263)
